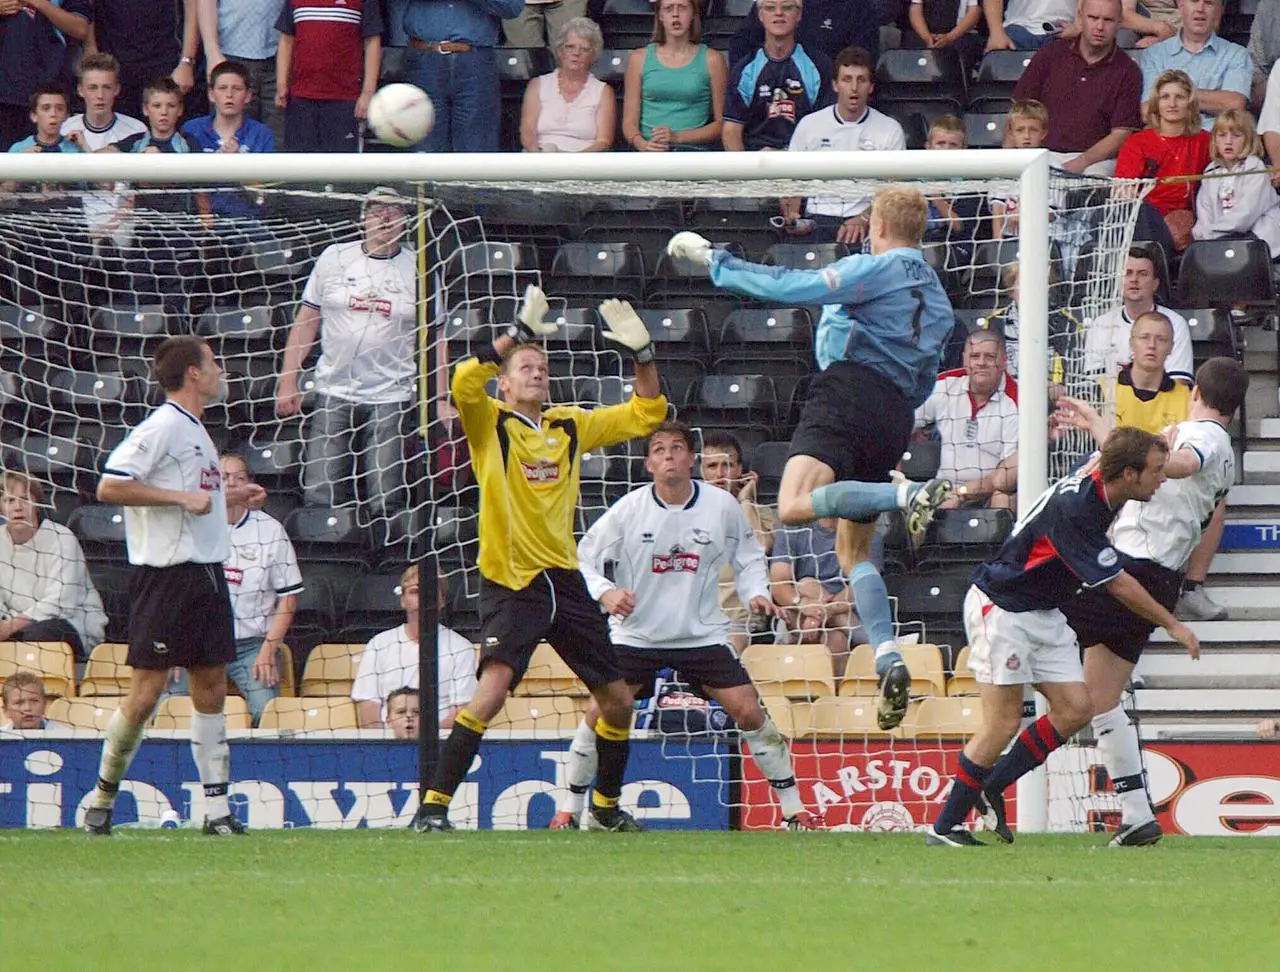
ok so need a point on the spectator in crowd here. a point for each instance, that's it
(402, 713)
(1144, 393)
(1064, 329)
(771, 90)
(570, 109)
(809, 586)
(1107, 343)
(1026, 127)
(24, 703)
(1236, 198)
(673, 94)
(1269, 120)
(361, 303)
(327, 69)
(1220, 71)
(849, 125)
(953, 220)
(33, 52)
(723, 466)
(230, 130)
(1171, 145)
(973, 411)
(1264, 44)
(48, 112)
(390, 661)
(1026, 25)
(1090, 89)
(245, 31)
(827, 28)
(45, 590)
(159, 38)
(936, 24)
(451, 58)
(540, 22)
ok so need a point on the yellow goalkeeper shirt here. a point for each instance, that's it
(1151, 411)
(528, 475)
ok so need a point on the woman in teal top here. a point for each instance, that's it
(674, 88)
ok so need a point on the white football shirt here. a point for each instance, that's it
(975, 440)
(46, 578)
(390, 661)
(826, 131)
(670, 558)
(368, 317)
(261, 569)
(1106, 344)
(170, 449)
(99, 207)
(1167, 527)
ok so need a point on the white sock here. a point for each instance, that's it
(887, 648)
(213, 761)
(580, 770)
(1121, 755)
(118, 750)
(772, 755)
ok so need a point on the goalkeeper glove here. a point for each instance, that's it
(690, 246)
(624, 326)
(531, 325)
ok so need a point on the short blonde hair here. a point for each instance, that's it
(904, 213)
(583, 27)
(17, 682)
(1151, 109)
(1028, 108)
(1235, 120)
(947, 123)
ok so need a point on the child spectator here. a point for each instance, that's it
(1236, 197)
(320, 82)
(1026, 127)
(953, 220)
(33, 51)
(945, 23)
(48, 106)
(228, 129)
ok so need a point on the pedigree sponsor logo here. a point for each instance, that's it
(540, 473)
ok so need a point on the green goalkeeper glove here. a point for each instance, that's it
(690, 246)
(532, 311)
(625, 327)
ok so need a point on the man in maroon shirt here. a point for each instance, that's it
(1092, 89)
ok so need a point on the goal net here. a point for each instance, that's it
(336, 311)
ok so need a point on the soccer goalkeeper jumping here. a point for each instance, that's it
(526, 459)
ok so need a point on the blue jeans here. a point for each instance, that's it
(1025, 40)
(240, 671)
(464, 90)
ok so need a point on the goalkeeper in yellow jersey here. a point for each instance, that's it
(526, 458)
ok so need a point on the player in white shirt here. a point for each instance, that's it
(390, 661)
(850, 125)
(1155, 540)
(166, 476)
(667, 543)
(361, 303)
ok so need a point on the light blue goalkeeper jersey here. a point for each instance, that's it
(886, 312)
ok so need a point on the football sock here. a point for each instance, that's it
(117, 753)
(771, 754)
(455, 760)
(213, 760)
(612, 746)
(871, 599)
(854, 501)
(1029, 750)
(1122, 756)
(969, 781)
(580, 769)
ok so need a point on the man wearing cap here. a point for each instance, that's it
(360, 302)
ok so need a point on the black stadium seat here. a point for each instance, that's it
(983, 130)
(1226, 273)
(611, 67)
(920, 76)
(325, 533)
(598, 269)
(100, 530)
(997, 75)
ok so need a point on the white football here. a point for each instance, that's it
(401, 114)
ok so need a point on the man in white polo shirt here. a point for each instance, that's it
(390, 661)
(974, 410)
(850, 125)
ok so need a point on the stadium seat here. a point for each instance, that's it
(611, 67)
(804, 256)
(309, 714)
(237, 330)
(744, 220)
(796, 671)
(1212, 333)
(934, 597)
(129, 328)
(526, 714)
(549, 675)
(53, 661)
(678, 279)
(648, 223)
(577, 327)
(767, 460)
(316, 615)
(997, 75)
(943, 717)
(175, 713)
(29, 330)
(330, 669)
(598, 269)
(984, 131)
(103, 396)
(522, 64)
(763, 331)
(1226, 273)
(324, 533)
(964, 536)
(82, 713)
(52, 458)
(920, 75)
(924, 662)
(288, 672)
(274, 463)
(915, 122)
(836, 717)
(100, 530)
(962, 681)
(920, 461)
(492, 273)
(107, 672)
(466, 330)
(733, 399)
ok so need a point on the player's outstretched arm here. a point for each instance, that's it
(1126, 589)
(777, 284)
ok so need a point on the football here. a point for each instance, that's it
(401, 115)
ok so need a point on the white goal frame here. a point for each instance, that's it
(1029, 166)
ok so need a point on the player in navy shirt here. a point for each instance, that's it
(1018, 635)
(885, 322)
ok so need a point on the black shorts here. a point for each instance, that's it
(1099, 619)
(856, 421)
(180, 617)
(555, 607)
(712, 667)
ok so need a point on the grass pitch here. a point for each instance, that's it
(371, 900)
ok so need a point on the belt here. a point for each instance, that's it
(442, 47)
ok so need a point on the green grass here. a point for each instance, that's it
(371, 900)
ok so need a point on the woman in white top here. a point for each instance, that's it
(1237, 197)
(570, 110)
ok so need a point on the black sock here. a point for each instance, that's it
(1029, 750)
(612, 746)
(459, 752)
(969, 781)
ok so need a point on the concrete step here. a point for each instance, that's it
(1264, 702)
(1247, 563)
(1268, 428)
(1244, 496)
(1213, 670)
(1228, 632)
(1261, 462)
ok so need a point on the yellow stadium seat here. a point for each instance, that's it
(845, 717)
(549, 675)
(309, 714)
(175, 713)
(521, 713)
(288, 677)
(83, 713)
(791, 718)
(107, 672)
(943, 717)
(330, 670)
(924, 662)
(963, 682)
(53, 661)
(795, 671)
